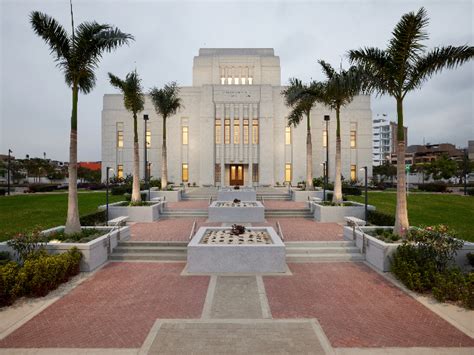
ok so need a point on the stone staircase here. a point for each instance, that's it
(285, 213)
(274, 196)
(330, 251)
(149, 251)
(183, 213)
(296, 252)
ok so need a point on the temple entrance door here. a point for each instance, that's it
(236, 174)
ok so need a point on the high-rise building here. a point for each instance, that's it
(384, 142)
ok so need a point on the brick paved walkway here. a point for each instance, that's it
(303, 229)
(284, 205)
(356, 307)
(116, 308)
(167, 229)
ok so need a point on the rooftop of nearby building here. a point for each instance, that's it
(236, 51)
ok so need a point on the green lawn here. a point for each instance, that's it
(428, 209)
(23, 213)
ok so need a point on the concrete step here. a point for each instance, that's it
(299, 258)
(152, 244)
(149, 249)
(148, 256)
(321, 250)
(323, 244)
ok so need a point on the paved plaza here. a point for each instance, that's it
(156, 307)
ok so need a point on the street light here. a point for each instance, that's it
(324, 182)
(107, 169)
(8, 171)
(44, 155)
(366, 194)
(145, 149)
(327, 118)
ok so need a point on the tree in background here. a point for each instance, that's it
(399, 69)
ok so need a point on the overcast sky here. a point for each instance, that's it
(36, 104)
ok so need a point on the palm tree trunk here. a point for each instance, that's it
(164, 159)
(73, 225)
(401, 214)
(309, 154)
(136, 197)
(337, 195)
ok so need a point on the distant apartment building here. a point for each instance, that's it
(384, 141)
(470, 150)
(417, 154)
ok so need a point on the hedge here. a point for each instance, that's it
(42, 187)
(352, 190)
(433, 187)
(40, 274)
(93, 219)
(380, 218)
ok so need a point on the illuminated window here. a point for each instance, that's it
(288, 135)
(254, 131)
(325, 138)
(236, 81)
(218, 131)
(236, 132)
(243, 80)
(185, 134)
(229, 80)
(353, 135)
(354, 172)
(148, 138)
(120, 171)
(217, 172)
(287, 172)
(246, 131)
(184, 173)
(227, 131)
(222, 81)
(250, 80)
(255, 172)
(119, 134)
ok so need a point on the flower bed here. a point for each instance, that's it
(243, 211)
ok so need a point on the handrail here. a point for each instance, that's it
(210, 199)
(192, 230)
(280, 232)
(117, 226)
(355, 225)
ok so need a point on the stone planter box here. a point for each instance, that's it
(135, 213)
(94, 253)
(337, 213)
(170, 196)
(377, 253)
(302, 195)
(236, 258)
(243, 194)
(217, 212)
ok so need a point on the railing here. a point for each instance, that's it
(192, 230)
(210, 199)
(162, 204)
(116, 227)
(355, 226)
(279, 231)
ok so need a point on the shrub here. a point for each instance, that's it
(450, 285)
(380, 218)
(470, 258)
(42, 187)
(470, 192)
(27, 244)
(386, 235)
(433, 187)
(8, 277)
(121, 189)
(4, 257)
(128, 196)
(93, 219)
(330, 195)
(352, 190)
(3, 192)
(84, 236)
(155, 183)
(318, 182)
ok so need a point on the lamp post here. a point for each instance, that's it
(324, 180)
(8, 171)
(327, 118)
(366, 194)
(145, 149)
(107, 169)
(465, 171)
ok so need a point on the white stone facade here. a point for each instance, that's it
(240, 89)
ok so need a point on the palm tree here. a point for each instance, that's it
(301, 99)
(77, 55)
(134, 101)
(403, 67)
(339, 90)
(167, 102)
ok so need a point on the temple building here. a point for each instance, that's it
(232, 129)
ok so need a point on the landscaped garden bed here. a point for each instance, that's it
(240, 193)
(330, 212)
(303, 195)
(236, 211)
(142, 212)
(172, 195)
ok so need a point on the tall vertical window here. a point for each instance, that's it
(217, 172)
(250, 79)
(288, 135)
(227, 131)
(255, 131)
(236, 132)
(148, 138)
(287, 172)
(185, 133)
(325, 138)
(255, 172)
(246, 131)
(354, 172)
(119, 134)
(184, 173)
(353, 135)
(120, 171)
(218, 131)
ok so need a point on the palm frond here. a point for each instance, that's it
(131, 88)
(52, 33)
(328, 70)
(435, 61)
(116, 81)
(166, 100)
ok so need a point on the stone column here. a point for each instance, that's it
(250, 147)
(241, 136)
(232, 156)
(222, 112)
